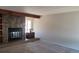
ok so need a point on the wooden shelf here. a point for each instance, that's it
(1, 29)
(0, 35)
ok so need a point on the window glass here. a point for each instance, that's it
(28, 25)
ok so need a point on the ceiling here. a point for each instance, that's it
(41, 10)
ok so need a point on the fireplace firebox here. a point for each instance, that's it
(14, 34)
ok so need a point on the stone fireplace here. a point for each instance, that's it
(15, 25)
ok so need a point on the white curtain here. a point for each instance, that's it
(28, 24)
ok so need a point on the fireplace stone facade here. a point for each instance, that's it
(11, 21)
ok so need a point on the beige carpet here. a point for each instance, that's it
(34, 47)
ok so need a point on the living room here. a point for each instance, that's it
(42, 29)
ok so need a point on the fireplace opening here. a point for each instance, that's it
(14, 34)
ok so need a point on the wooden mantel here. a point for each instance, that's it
(3, 11)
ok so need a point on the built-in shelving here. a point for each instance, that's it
(0, 28)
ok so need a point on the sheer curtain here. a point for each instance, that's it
(28, 24)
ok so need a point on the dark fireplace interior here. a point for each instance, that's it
(14, 34)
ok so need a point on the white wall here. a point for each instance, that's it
(62, 29)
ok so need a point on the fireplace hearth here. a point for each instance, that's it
(14, 34)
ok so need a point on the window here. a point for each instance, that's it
(28, 24)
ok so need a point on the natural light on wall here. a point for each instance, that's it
(28, 24)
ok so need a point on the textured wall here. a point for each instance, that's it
(10, 21)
